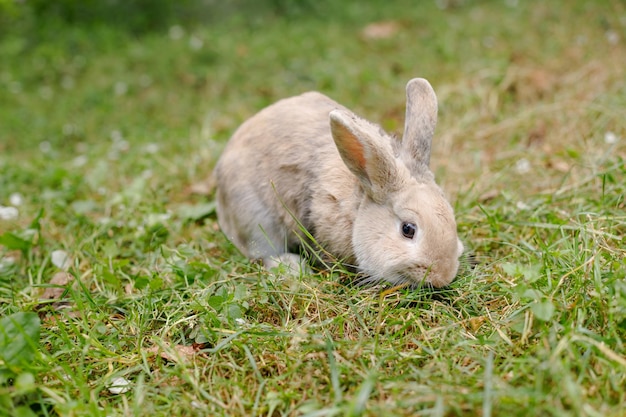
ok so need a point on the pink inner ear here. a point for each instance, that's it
(351, 148)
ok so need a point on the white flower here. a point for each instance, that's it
(116, 135)
(152, 148)
(522, 166)
(16, 199)
(610, 138)
(60, 259)
(119, 385)
(8, 213)
(176, 32)
(69, 129)
(46, 92)
(240, 321)
(67, 83)
(612, 37)
(195, 43)
(80, 161)
(122, 146)
(120, 88)
(156, 218)
(45, 146)
(6, 262)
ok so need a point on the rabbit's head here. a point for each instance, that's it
(404, 231)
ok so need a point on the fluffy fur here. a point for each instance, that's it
(309, 161)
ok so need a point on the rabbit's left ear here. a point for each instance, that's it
(419, 125)
(366, 154)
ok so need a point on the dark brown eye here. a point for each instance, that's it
(408, 230)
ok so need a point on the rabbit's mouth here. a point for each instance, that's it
(417, 276)
(420, 276)
(397, 280)
(414, 277)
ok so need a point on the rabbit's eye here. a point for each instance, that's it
(408, 230)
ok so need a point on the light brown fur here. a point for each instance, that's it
(308, 160)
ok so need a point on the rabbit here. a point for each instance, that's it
(368, 199)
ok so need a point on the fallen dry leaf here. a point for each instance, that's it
(176, 353)
(59, 282)
(58, 286)
(204, 187)
(52, 319)
(537, 135)
(476, 322)
(559, 165)
(488, 195)
(380, 30)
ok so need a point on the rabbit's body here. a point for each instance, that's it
(352, 187)
(282, 192)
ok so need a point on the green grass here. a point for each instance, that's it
(104, 131)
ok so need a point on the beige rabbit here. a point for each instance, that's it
(367, 198)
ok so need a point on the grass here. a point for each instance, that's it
(105, 133)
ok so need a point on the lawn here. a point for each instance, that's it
(119, 296)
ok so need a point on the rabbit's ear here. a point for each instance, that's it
(419, 124)
(365, 153)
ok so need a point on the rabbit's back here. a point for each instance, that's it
(269, 171)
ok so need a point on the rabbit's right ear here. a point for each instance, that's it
(365, 154)
(419, 124)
